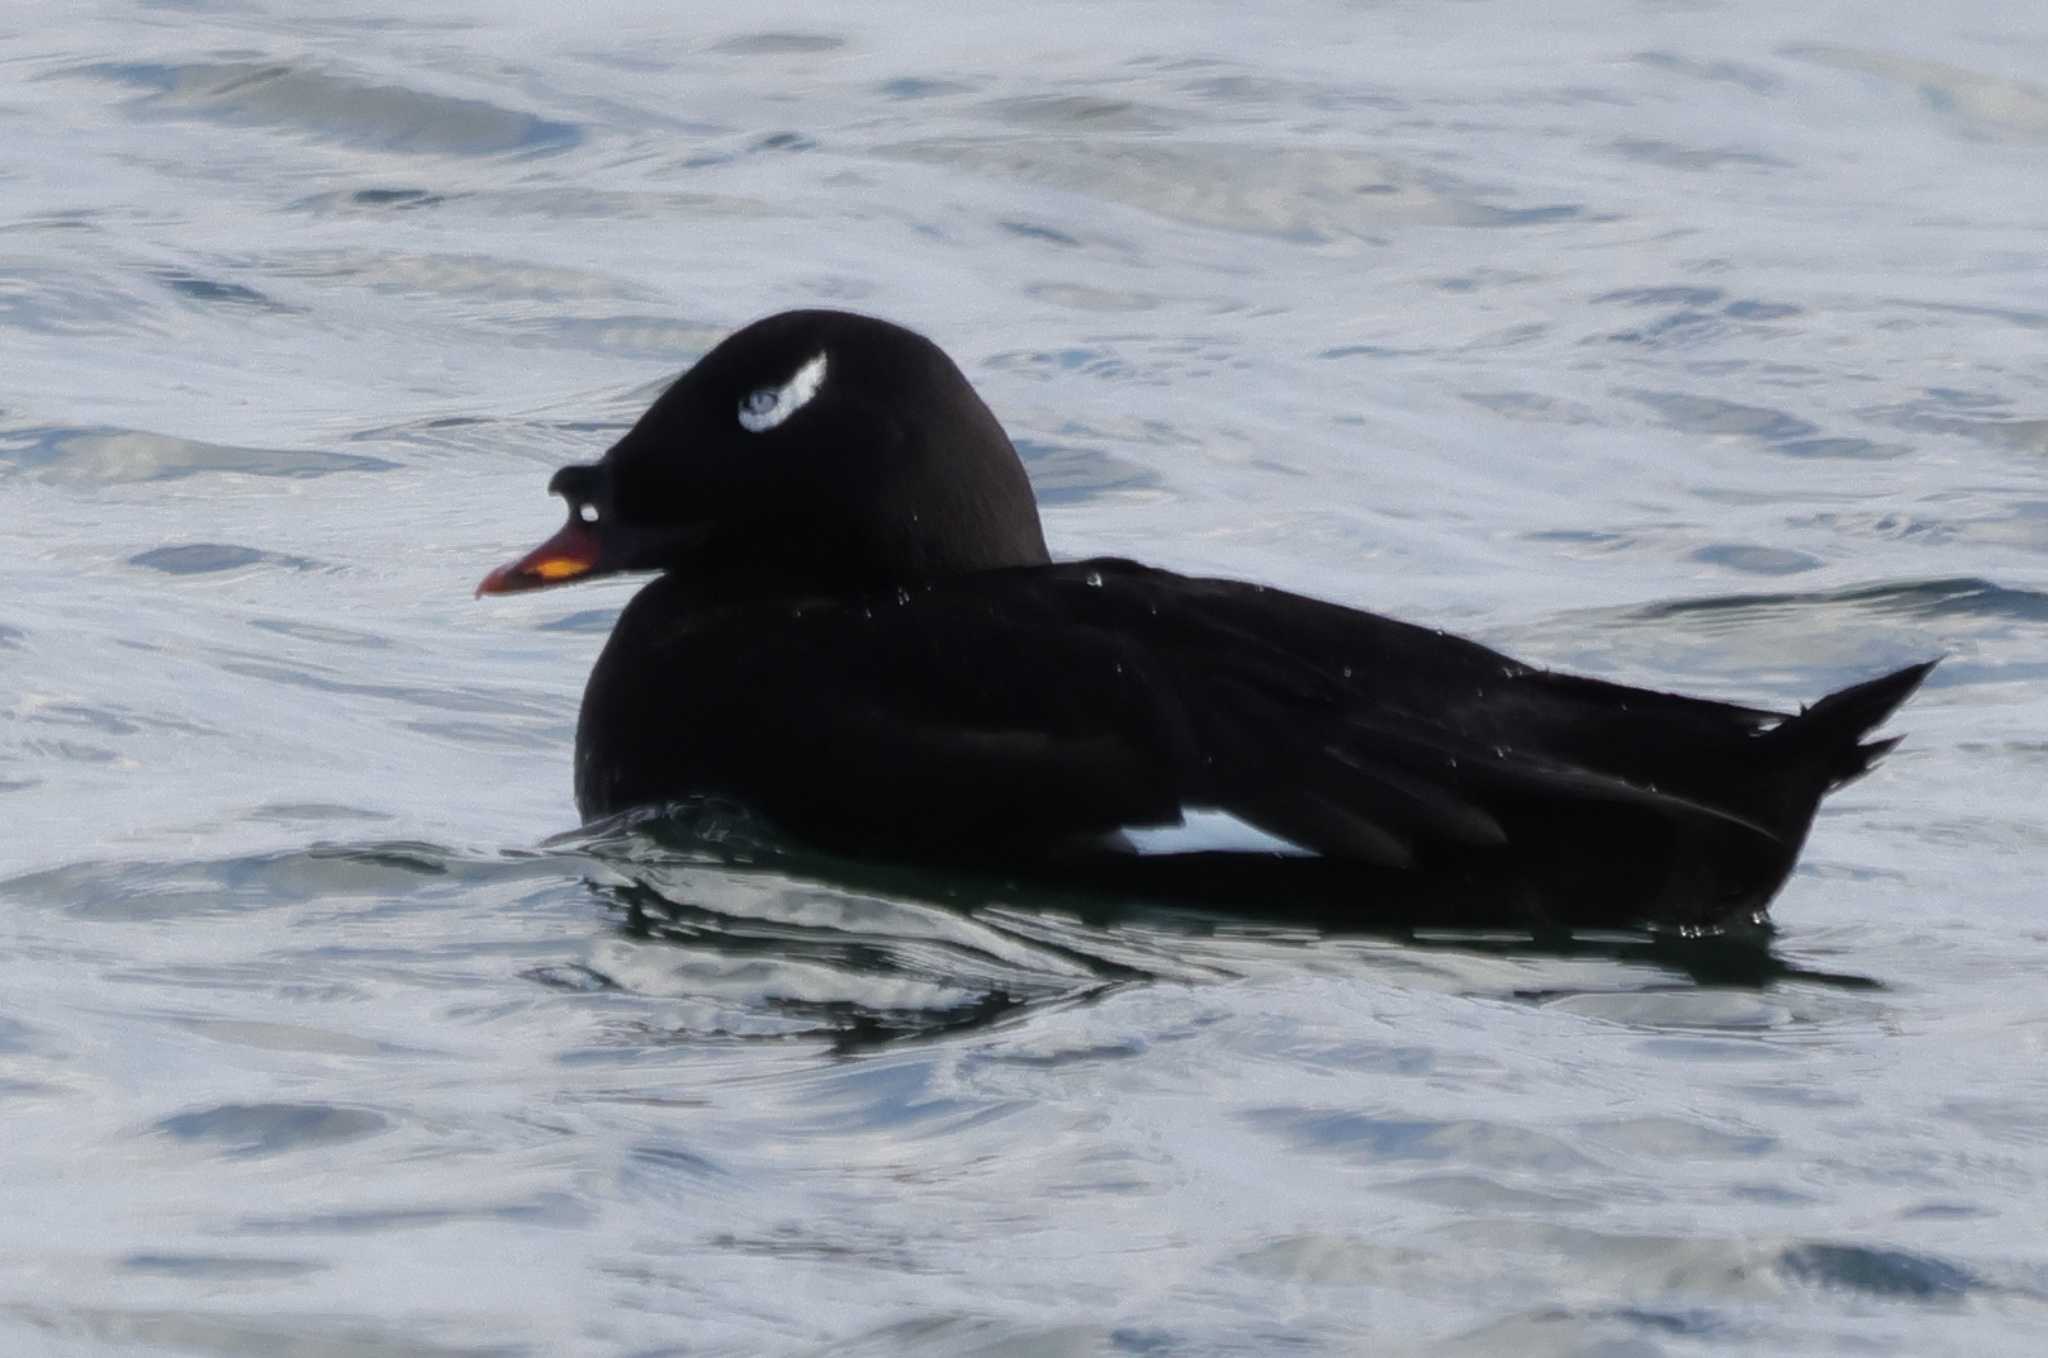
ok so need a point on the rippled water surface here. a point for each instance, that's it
(1694, 344)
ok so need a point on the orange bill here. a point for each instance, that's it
(568, 554)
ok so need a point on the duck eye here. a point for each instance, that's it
(587, 512)
(766, 407)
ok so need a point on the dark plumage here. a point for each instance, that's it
(859, 635)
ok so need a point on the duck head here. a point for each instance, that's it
(818, 451)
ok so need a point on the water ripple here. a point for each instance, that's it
(388, 118)
(1965, 598)
(114, 456)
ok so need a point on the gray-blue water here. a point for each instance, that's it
(1702, 345)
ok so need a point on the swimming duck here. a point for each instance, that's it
(856, 631)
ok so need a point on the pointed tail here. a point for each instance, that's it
(1832, 730)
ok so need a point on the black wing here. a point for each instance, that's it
(1441, 737)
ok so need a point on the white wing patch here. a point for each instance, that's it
(1209, 831)
(766, 407)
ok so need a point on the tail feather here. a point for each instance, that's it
(1831, 730)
